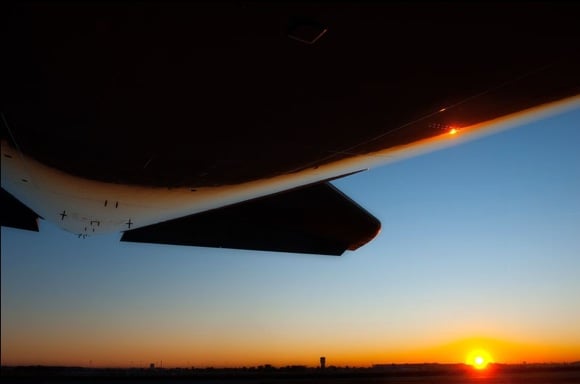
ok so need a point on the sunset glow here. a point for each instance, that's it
(478, 359)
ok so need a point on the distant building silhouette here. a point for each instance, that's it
(322, 362)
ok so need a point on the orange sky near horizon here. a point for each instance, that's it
(224, 354)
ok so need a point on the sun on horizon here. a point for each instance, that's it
(478, 359)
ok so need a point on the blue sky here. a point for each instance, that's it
(480, 240)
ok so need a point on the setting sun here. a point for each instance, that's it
(478, 359)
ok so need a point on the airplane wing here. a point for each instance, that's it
(316, 219)
(124, 116)
(15, 214)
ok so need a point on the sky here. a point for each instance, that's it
(479, 249)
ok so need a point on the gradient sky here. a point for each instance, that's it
(480, 248)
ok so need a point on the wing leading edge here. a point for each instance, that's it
(316, 219)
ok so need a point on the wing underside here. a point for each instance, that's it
(183, 96)
(315, 219)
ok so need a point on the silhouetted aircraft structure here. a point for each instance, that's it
(222, 124)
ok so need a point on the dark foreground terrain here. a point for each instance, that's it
(392, 374)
